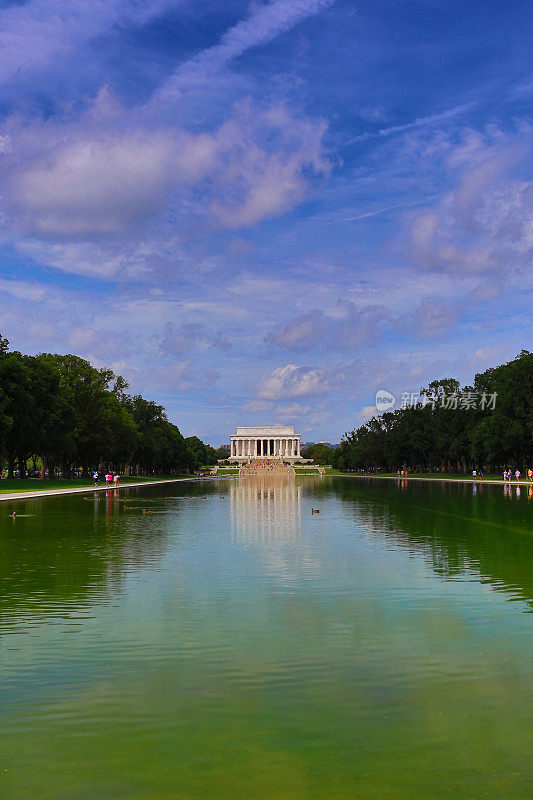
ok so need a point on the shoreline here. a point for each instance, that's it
(28, 495)
(22, 495)
(477, 481)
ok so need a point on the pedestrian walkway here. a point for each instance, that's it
(85, 489)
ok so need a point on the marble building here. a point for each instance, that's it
(275, 441)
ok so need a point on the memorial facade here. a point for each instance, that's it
(275, 441)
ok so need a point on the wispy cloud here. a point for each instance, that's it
(421, 122)
(375, 213)
(34, 33)
(119, 206)
(264, 24)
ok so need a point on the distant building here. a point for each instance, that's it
(326, 444)
(272, 441)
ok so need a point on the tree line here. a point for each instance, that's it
(449, 428)
(66, 416)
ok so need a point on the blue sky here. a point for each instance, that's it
(264, 212)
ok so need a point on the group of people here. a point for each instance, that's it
(508, 475)
(258, 466)
(111, 478)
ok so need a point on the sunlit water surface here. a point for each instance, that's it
(219, 640)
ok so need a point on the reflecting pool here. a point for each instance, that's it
(218, 640)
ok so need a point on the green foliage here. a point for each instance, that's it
(320, 453)
(201, 454)
(64, 413)
(161, 447)
(452, 435)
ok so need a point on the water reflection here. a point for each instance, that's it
(266, 510)
(65, 552)
(463, 531)
(239, 646)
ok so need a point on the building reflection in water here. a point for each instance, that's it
(266, 510)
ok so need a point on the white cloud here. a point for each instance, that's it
(344, 328)
(107, 172)
(261, 181)
(257, 406)
(290, 411)
(189, 336)
(484, 225)
(430, 320)
(366, 413)
(292, 381)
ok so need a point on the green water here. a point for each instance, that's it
(220, 641)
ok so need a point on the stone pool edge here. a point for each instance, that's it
(86, 489)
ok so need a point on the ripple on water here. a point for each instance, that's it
(381, 648)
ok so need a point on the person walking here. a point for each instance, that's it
(95, 477)
(117, 479)
(517, 475)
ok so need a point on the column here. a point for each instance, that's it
(298, 447)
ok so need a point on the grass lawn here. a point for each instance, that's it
(36, 484)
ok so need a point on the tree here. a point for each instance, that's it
(197, 451)
(161, 447)
(489, 424)
(320, 453)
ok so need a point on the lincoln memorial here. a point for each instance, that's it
(277, 441)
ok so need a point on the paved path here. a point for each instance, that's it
(85, 489)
